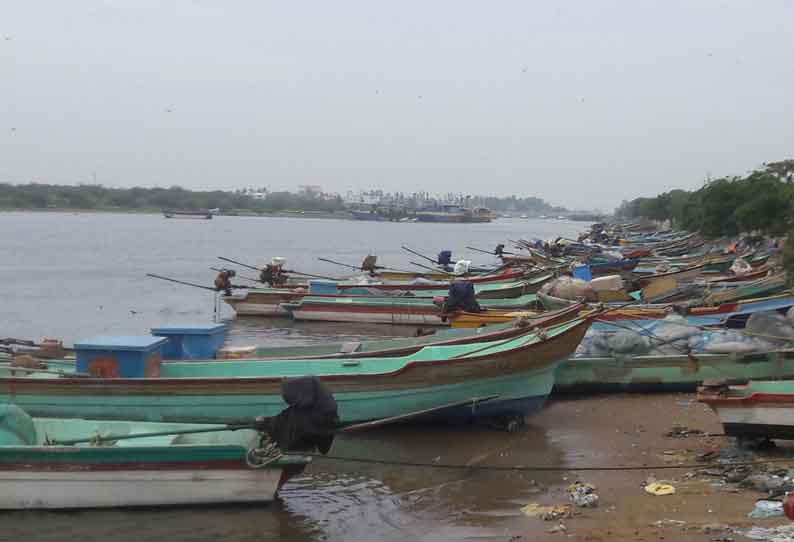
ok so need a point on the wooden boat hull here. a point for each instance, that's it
(265, 302)
(520, 376)
(393, 311)
(166, 469)
(29, 488)
(407, 346)
(759, 409)
(668, 372)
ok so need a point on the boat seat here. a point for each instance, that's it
(16, 427)
(350, 347)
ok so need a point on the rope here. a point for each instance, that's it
(525, 468)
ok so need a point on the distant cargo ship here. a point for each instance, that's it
(455, 214)
(372, 216)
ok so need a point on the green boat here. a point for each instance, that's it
(669, 372)
(177, 464)
(508, 378)
(389, 310)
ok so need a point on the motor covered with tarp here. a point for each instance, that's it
(462, 297)
(445, 258)
(310, 419)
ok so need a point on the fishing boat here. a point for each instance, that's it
(457, 335)
(188, 213)
(389, 310)
(269, 301)
(672, 372)
(492, 317)
(716, 315)
(501, 378)
(760, 409)
(71, 463)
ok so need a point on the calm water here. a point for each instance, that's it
(72, 276)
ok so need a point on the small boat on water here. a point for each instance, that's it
(41, 465)
(516, 375)
(188, 213)
(760, 409)
(270, 301)
(408, 345)
(390, 310)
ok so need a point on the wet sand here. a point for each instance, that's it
(623, 430)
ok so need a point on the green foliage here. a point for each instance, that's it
(43, 196)
(762, 201)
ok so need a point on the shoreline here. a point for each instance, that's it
(288, 214)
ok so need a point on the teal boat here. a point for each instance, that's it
(514, 375)
(669, 372)
(271, 301)
(389, 310)
(41, 465)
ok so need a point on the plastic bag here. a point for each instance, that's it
(462, 267)
(628, 342)
(741, 267)
(771, 325)
(569, 288)
(766, 509)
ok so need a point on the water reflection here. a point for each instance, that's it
(348, 500)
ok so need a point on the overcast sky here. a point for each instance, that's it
(583, 103)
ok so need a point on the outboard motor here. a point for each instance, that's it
(370, 264)
(445, 259)
(462, 297)
(499, 250)
(273, 273)
(310, 420)
(223, 282)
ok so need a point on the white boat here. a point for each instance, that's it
(42, 467)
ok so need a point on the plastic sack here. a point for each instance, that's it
(740, 267)
(610, 283)
(766, 509)
(771, 325)
(462, 267)
(628, 342)
(570, 288)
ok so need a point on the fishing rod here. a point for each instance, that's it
(359, 269)
(238, 276)
(180, 282)
(415, 253)
(342, 264)
(433, 269)
(288, 271)
(491, 253)
(98, 438)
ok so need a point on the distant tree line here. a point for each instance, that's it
(44, 196)
(91, 196)
(762, 201)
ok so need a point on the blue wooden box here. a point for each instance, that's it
(191, 341)
(120, 356)
(323, 287)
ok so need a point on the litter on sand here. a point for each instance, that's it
(548, 513)
(659, 489)
(766, 509)
(582, 495)
(783, 533)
